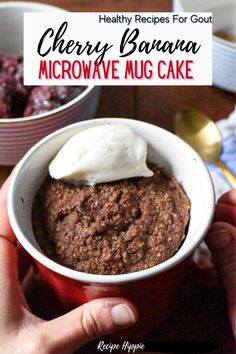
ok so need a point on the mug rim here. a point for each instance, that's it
(100, 278)
(77, 99)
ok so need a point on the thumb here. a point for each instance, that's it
(88, 322)
(221, 241)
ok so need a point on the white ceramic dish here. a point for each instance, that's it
(224, 52)
(164, 148)
(17, 135)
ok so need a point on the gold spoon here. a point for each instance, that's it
(203, 135)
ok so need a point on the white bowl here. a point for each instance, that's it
(164, 148)
(224, 52)
(17, 135)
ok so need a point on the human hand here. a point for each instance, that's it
(221, 240)
(22, 332)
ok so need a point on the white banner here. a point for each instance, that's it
(117, 48)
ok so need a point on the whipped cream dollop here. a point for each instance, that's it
(101, 154)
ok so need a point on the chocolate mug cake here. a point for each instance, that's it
(115, 227)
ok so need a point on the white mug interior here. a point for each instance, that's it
(11, 22)
(164, 148)
(223, 11)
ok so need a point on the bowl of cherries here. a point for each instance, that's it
(29, 113)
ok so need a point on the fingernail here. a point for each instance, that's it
(122, 315)
(219, 239)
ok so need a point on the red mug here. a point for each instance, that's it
(154, 297)
(152, 290)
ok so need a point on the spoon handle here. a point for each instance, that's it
(228, 174)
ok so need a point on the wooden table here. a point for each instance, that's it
(201, 312)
